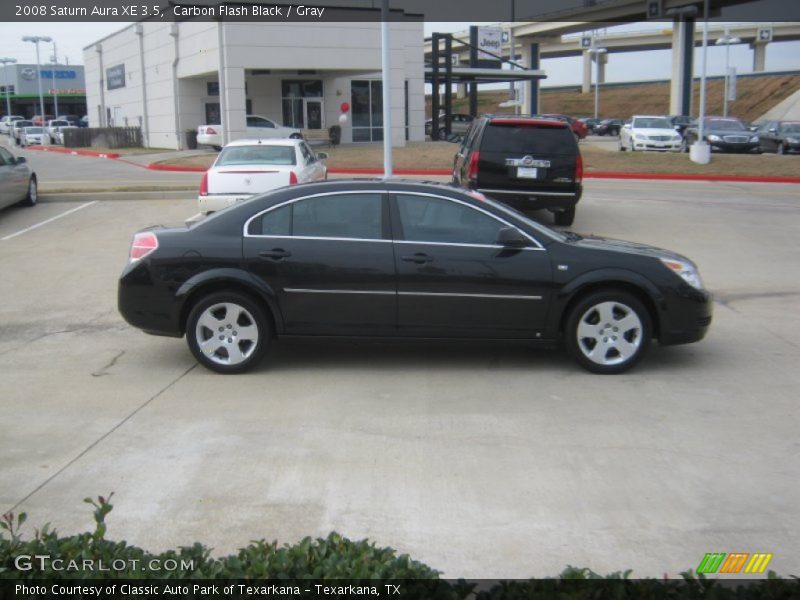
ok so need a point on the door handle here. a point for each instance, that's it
(418, 258)
(275, 253)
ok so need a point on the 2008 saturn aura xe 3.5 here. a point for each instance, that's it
(400, 259)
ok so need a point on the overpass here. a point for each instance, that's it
(536, 39)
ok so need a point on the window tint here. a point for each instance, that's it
(427, 219)
(256, 155)
(355, 216)
(259, 122)
(308, 155)
(527, 139)
(278, 221)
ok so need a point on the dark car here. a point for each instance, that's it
(781, 137)
(74, 120)
(459, 125)
(723, 134)
(578, 127)
(609, 127)
(400, 259)
(529, 163)
(590, 122)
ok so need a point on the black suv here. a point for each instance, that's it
(529, 163)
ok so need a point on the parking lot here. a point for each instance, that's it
(479, 460)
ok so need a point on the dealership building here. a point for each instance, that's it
(169, 78)
(62, 87)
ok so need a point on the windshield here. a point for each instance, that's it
(33, 130)
(790, 128)
(22, 124)
(652, 123)
(727, 124)
(257, 155)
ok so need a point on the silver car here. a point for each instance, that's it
(33, 135)
(17, 181)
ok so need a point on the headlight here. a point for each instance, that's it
(685, 270)
(676, 138)
(754, 139)
(639, 136)
(793, 140)
(713, 138)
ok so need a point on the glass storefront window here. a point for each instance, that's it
(366, 106)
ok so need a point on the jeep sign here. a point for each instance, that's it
(490, 39)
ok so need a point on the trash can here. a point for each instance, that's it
(191, 139)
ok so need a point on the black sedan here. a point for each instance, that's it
(723, 134)
(780, 137)
(398, 259)
(609, 127)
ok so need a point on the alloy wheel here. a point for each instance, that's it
(227, 334)
(609, 333)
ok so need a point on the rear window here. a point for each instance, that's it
(257, 155)
(528, 139)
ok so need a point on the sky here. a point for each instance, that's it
(72, 37)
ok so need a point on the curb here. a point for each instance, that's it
(174, 168)
(108, 196)
(61, 150)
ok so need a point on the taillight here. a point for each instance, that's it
(204, 184)
(143, 244)
(211, 131)
(292, 178)
(579, 169)
(472, 172)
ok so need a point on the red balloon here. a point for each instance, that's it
(345, 107)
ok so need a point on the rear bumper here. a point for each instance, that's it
(534, 199)
(209, 140)
(215, 202)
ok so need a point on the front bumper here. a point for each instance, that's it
(215, 202)
(734, 147)
(686, 316)
(670, 146)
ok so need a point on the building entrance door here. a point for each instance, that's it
(314, 117)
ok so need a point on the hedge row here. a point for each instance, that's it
(336, 557)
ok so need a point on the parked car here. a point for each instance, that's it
(17, 127)
(403, 259)
(609, 127)
(257, 127)
(527, 162)
(724, 134)
(459, 125)
(40, 121)
(17, 181)
(53, 126)
(84, 121)
(650, 133)
(59, 134)
(33, 136)
(74, 120)
(780, 137)
(591, 123)
(7, 122)
(247, 167)
(578, 128)
(681, 122)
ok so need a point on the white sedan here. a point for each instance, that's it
(650, 133)
(257, 127)
(248, 167)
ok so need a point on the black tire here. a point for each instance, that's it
(228, 310)
(631, 338)
(296, 136)
(621, 147)
(566, 217)
(33, 193)
(217, 148)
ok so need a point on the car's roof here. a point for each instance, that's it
(265, 142)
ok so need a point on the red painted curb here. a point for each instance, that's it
(62, 150)
(432, 172)
(175, 168)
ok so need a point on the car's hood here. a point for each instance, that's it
(601, 243)
(651, 131)
(746, 132)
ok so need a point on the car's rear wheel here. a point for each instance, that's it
(608, 332)
(228, 332)
(33, 193)
(565, 217)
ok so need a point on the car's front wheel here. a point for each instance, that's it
(228, 332)
(608, 332)
(33, 193)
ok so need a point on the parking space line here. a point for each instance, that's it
(46, 221)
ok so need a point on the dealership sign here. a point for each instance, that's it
(115, 77)
(490, 43)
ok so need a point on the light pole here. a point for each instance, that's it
(598, 56)
(726, 40)
(54, 62)
(6, 62)
(35, 39)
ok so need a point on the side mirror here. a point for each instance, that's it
(772, 130)
(511, 237)
(322, 155)
(21, 160)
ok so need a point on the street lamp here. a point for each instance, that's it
(35, 39)
(5, 62)
(726, 40)
(598, 54)
(54, 62)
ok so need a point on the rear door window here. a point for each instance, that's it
(528, 139)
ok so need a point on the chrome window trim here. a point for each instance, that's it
(458, 244)
(487, 213)
(277, 206)
(313, 291)
(326, 239)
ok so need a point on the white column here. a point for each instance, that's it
(759, 57)
(235, 117)
(587, 73)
